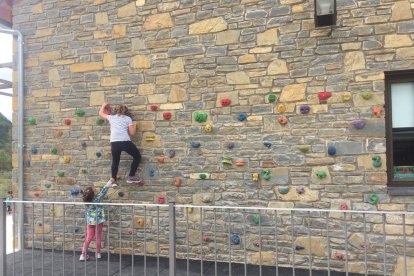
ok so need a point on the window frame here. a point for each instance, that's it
(392, 77)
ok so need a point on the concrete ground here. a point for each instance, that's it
(9, 235)
(37, 262)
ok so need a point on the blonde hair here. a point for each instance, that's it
(122, 110)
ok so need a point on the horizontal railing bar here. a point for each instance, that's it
(219, 207)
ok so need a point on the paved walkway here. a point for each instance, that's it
(68, 264)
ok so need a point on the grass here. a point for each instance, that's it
(5, 182)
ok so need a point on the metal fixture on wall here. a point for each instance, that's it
(325, 13)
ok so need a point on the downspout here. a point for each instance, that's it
(20, 122)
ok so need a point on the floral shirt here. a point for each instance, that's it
(96, 212)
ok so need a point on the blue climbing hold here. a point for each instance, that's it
(121, 194)
(242, 117)
(33, 149)
(151, 172)
(267, 144)
(98, 154)
(76, 229)
(195, 144)
(235, 239)
(331, 150)
(48, 185)
(298, 247)
(74, 191)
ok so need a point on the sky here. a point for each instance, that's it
(6, 55)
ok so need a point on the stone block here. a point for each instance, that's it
(110, 81)
(228, 37)
(397, 41)
(212, 25)
(277, 67)
(101, 18)
(171, 106)
(321, 181)
(177, 94)
(354, 61)
(109, 60)
(85, 67)
(176, 66)
(97, 98)
(158, 21)
(157, 99)
(248, 58)
(262, 258)
(145, 126)
(146, 89)
(292, 195)
(233, 96)
(268, 37)
(118, 31)
(238, 77)
(293, 93)
(140, 62)
(365, 162)
(405, 53)
(401, 10)
(318, 246)
(172, 78)
(127, 10)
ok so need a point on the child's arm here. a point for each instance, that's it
(103, 192)
(132, 129)
(102, 111)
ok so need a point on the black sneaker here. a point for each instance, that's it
(135, 179)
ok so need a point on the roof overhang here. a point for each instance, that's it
(6, 17)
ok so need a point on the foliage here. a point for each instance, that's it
(5, 144)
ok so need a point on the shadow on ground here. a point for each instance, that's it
(46, 262)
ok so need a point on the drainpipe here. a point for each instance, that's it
(20, 123)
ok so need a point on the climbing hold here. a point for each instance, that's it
(377, 111)
(323, 96)
(304, 109)
(195, 144)
(256, 243)
(140, 222)
(160, 159)
(84, 144)
(171, 153)
(150, 138)
(98, 154)
(177, 181)
(267, 144)
(100, 121)
(227, 161)
(363, 245)
(282, 120)
(60, 174)
(130, 231)
(239, 162)
(202, 176)
(58, 133)
(107, 109)
(36, 194)
(284, 190)
(331, 150)
(300, 189)
(208, 128)
(151, 172)
(153, 107)
(53, 150)
(66, 159)
(235, 239)
(32, 121)
(200, 117)
(166, 115)
(48, 185)
(298, 247)
(28, 163)
(373, 199)
(358, 124)
(281, 108)
(225, 102)
(67, 121)
(339, 256)
(70, 181)
(33, 150)
(256, 218)
(79, 112)
(271, 98)
(141, 183)
(74, 191)
(266, 174)
(344, 206)
(121, 194)
(346, 96)
(190, 210)
(160, 199)
(255, 177)
(230, 145)
(366, 95)
(242, 117)
(206, 239)
(76, 229)
(321, 174)
(376, 161)
(304, 148)
(83, 170)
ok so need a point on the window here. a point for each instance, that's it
(399, 106)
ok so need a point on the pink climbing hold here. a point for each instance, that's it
(160, 199)
(206, 239)
(344, 206)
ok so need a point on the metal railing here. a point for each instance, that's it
(173, 239)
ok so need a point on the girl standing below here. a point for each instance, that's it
(121, 128)
(9, 204)
(95, 217)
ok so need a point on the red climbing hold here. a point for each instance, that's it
(107, 109)
(58, 133)
(166, 115)
(153, 107)
(225, 102)
(160, 199)
(177, 181)
(323, 96)
(67, 121)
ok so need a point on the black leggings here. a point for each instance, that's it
(117, 148)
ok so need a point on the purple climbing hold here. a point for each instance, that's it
(83, 144)
(230, 145)
(300, 189)
(358, 124)
(304, 109)
(28, 163)
(171, 153)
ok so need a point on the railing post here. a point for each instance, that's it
(3, 260)
(171, 227)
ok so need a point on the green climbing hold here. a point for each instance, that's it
(376, 161)
(373, 199)
(79, 112)
(53, 150)
(100, 121)
(83, 170)
(32, 121)
(266, 174)
(366, 95)
(321, 174)
(227, 161)
(61, 174)
(256, 218)
(284, 190)
(202, 176)
(272, 98)
(304, 148)
(200, 117)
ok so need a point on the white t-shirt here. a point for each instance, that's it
(119, 127)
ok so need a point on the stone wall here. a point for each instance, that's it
(185, 57)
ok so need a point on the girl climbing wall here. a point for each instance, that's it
(122, 127)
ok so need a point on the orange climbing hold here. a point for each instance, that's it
(177, 181)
